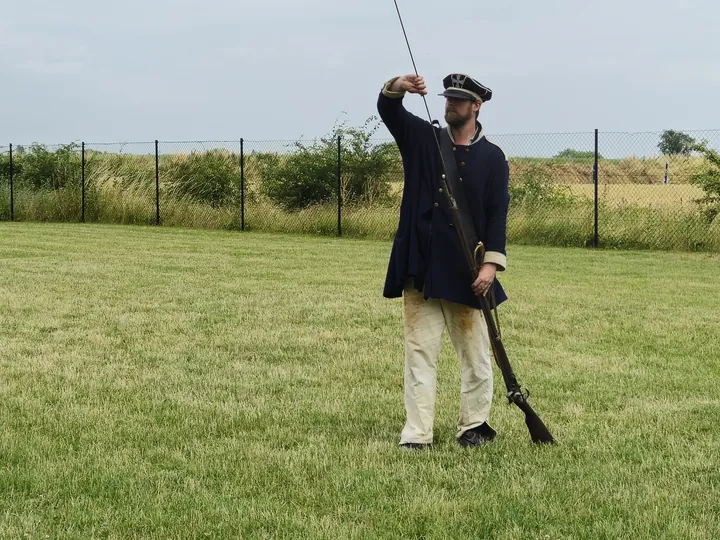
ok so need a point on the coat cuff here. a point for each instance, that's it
(496, 258)
(387, 93)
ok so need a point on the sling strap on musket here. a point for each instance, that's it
(456, 187)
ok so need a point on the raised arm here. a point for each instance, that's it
(402, 124)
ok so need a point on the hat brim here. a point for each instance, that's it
(461, 94)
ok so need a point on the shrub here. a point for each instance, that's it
(309, 175)
(534, 186)
(298, 180)
(5, 167)
(709, 180)
(41, 169)
(366, 168)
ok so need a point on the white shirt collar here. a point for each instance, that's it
(479, 134)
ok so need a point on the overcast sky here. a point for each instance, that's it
(281, 69)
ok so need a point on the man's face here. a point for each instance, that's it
(458, 111)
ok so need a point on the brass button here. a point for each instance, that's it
(462, 164)
(440, 190)
(437, 204)
(443, 177)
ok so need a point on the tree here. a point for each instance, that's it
(676, 143)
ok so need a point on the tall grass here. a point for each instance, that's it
(359, 221)
(569, 224)
(618, 227)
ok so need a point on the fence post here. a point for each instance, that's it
(339, 186)
(242, 184)
(12, 193)
(157, 184)
(596, 236)
(82, 219)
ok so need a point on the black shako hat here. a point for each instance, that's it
(460, 86)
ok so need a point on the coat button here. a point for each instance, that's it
(440, 190)
(462, 164)
(454, 148)
(467, 149)
(437, 204)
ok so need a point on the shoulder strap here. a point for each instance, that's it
(454, 182)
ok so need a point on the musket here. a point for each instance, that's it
(474, 256)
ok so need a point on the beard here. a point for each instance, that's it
(456, 119)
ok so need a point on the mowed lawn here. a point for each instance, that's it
(173, 383)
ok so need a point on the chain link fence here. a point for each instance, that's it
(291, 186)
(328, 187)
(549, 179)
(41, 183)
(119, 183)
(649, 198)
(577, 189)
(201, 184)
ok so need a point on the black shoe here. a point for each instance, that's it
(477, 436)
(416, 446)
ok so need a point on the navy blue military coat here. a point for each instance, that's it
(426, 246)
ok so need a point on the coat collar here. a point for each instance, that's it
(479, 134)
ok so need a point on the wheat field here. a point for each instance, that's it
(670, 196)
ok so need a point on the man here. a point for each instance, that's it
(427, 267)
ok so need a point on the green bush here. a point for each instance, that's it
(533, 186)
(309, 175)
(39, 168)
(298, 180)
(709, 180)
(4, 167)
(366, 168)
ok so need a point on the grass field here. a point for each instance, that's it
(674, 197)
(174, 383)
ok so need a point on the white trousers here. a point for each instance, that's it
(424, 324)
